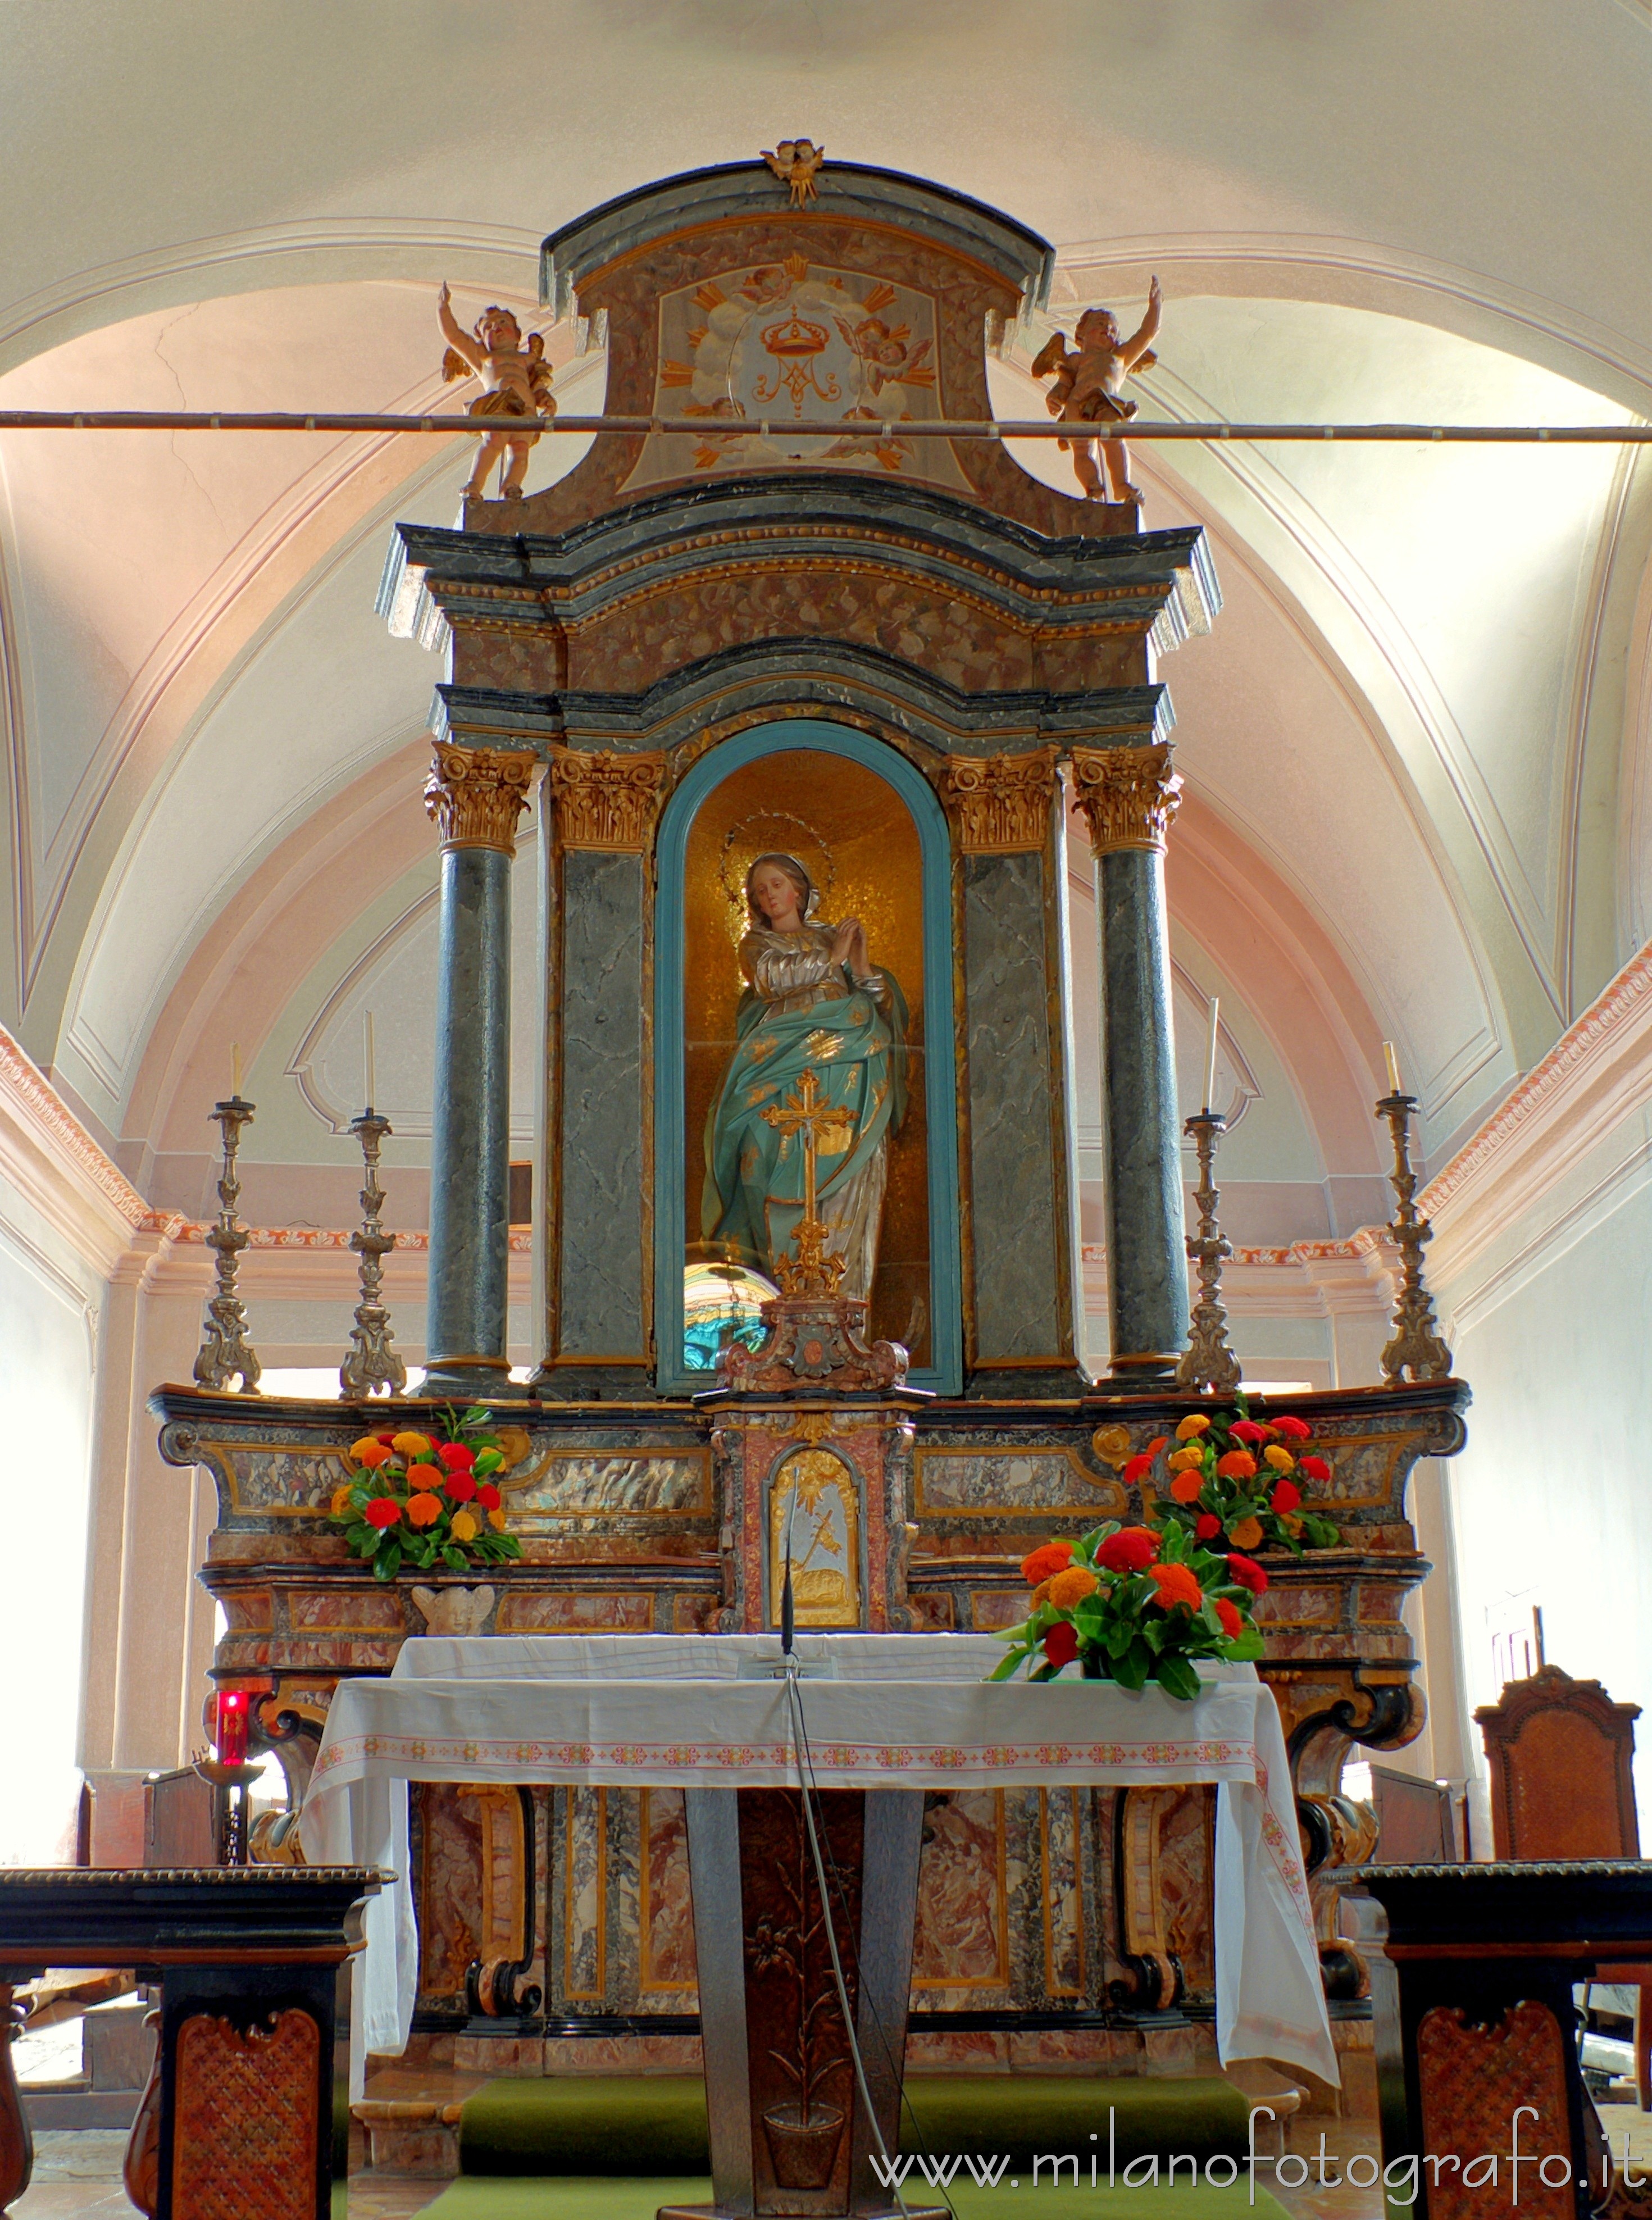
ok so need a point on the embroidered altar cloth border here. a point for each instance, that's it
(659, 1711)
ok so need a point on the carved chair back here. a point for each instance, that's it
(1561, 1756)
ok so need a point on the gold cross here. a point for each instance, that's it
(804, 1112)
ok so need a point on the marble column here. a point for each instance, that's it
(1128, 797)
(476, 796)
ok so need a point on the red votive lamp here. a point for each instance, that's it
(233, 1707)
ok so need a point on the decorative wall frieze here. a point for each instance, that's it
(1128, 796)
(999, 805)
(475, 796)
(605, 799)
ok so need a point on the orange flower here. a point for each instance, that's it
(1245, 1535)
(1186, 1485)
(1050, 1557)
(1237, 1464)
(409, 1446)
(465, 1527)
(340, 1503)
(497, 1520)
(1293, 1526)
(1157, 1442)
(1195, 1423)
(369, 1452)
(1281, 1459)
(1229, 1614)
(1178, 1585)
(1072, 1586)
(1041, 1592)
(1187, 1460)
(423, 1509)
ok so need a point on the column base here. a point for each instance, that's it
(477, 1379)
(1025, 1383)
(1140, 1373)
(596, 1382)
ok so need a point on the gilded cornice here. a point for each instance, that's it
(475, 796)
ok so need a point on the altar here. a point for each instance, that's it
(890, 1716)
(822, 702)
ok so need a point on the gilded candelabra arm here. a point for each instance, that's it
(371, 1362)
(1415, 1347)
(1208, 1361)
(225, 1354)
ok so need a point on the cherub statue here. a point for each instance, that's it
(518, 382)
(1086, 390)
(794, 162)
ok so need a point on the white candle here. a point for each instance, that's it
(1210, 1053)
(1394, 1088)
(367, 1053)
(235, 1070)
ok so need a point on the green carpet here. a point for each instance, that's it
(610, 2198)
(589, 2124)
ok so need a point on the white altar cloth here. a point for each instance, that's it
(904, 1711)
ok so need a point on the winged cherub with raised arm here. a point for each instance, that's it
(1086, 391)
(518, 382)
(794, 162)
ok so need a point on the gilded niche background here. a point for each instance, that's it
(857, 839)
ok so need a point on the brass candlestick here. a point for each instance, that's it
(1208, 1361)
(371, 1363)
(225, 1354)
(1415, 1347)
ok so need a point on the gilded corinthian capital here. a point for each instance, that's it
(476, 795)
(1128, 797)
(1000, 804)
(606, 799)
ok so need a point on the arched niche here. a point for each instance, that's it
(880, 822)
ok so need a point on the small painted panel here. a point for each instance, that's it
(977, 1483)
(667, 1959)
(576, 1611)
(814, 1511)
(564, 1484)
(757, 352)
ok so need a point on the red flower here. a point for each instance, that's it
(1132, 1550)
(1178, 1585)
(382, 1511)
(1237, 1464)
(389, 1439)
(1061, 1643)
(1294, 1429)
(1137, 1469)
(456, 1456)
(1315, 1467)
(489, 1496)
(460, 1487)
(1247, 1430)
(1229, 1614)
(1247, 1574)
(1285, 1497)
(1206, 1526)
(1040, 1564)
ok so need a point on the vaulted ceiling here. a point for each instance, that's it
(1415, 743)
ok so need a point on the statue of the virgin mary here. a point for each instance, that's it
(812, 1001)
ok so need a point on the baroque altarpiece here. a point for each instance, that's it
(814, 718)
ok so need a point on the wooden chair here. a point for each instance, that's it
(1560, 1754)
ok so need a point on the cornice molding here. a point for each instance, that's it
(1597, 1075)
(56, 1165)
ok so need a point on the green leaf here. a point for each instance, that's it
(1153, 1633)
(1006, 1666)
(1244, 1648)
(453, 1556)
(1178, 1677)
(388, 1563)
(1132, 1669)
(490, 1461)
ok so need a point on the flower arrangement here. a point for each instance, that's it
(1134, 1606)
(413, 1501)
(1235, 1482)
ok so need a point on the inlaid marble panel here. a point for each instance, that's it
(576, 1612)
(600, 1277)
(450, 1891)
(962, 1939)
(1060, 1819)
(980, 1482)
(583, 1861)
(667, 1923)
(564, 1485)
